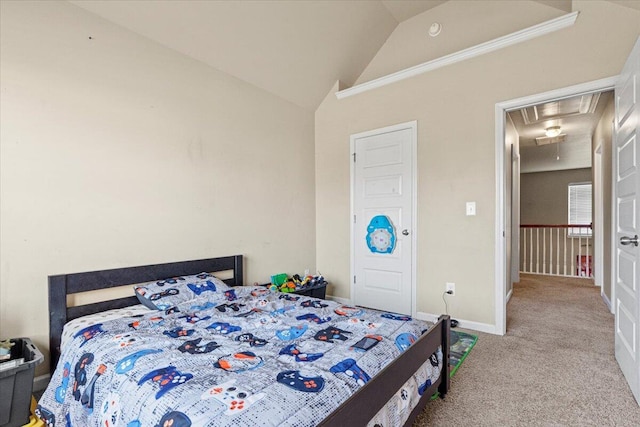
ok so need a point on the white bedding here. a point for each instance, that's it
(71, 328)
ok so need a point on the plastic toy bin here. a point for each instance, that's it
(16, 383)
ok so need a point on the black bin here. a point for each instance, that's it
(317, 291)
(16, 383)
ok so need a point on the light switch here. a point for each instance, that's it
(471, 208)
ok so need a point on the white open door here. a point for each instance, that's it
(626, 161)
(383, 193)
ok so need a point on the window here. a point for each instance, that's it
(580, 209)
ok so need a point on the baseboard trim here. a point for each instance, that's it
(606, 301)
(41, 382)
(466, 324)
(344, 301)
(509, 294)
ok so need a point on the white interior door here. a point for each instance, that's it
(383, 229)
(627, 184)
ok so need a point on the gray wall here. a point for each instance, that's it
(544, 201)
(543, 195)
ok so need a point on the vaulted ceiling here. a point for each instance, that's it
(294, 49)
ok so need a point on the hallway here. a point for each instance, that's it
(555, 366)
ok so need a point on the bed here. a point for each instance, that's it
(333, 365)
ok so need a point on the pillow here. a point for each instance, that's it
(170, 292)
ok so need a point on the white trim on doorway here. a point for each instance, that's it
(613, 232)
(413, 126)
(501, 210)
(598, 224)
(607, 302)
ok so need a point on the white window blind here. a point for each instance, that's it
(580, 208)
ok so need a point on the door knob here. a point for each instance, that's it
(405, 232)
(626, 240)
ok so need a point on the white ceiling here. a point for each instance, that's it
(577, 116)
(405, 9)
(294, 49)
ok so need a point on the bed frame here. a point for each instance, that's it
(357, 410)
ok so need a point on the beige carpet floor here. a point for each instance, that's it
(554, 367)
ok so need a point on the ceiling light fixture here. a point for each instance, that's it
(552, 131)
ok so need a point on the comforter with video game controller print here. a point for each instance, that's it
(246, 356)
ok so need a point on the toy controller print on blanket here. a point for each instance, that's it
(243, 356)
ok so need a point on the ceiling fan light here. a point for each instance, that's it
(552, 131)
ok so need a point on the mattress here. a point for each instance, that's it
(242, 356)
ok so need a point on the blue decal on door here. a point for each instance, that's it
(381, 235)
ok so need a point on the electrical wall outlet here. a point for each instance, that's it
(450, 287)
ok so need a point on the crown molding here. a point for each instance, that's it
(462, 55)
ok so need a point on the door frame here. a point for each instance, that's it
(413, 127)
(502, 210)
(515, 217)
(598, 212)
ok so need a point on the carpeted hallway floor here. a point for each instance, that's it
(555, 366)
